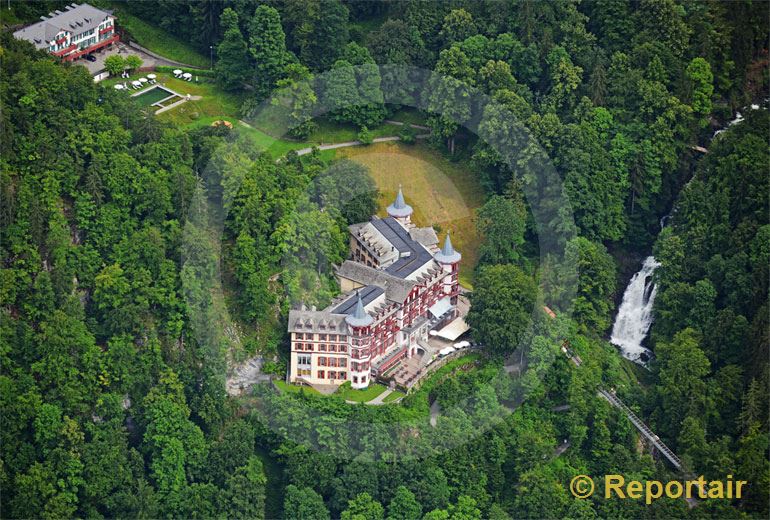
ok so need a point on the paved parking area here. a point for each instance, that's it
(123, 50)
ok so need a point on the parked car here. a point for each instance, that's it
(90, 57)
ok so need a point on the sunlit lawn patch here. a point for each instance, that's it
(441, 192)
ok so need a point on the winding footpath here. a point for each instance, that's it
(305, 151)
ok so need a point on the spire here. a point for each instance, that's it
(447, 250)
(447, 255)
(359, 317)
(399, 208)
(400, 203)
(359, 313)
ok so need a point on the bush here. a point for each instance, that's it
(114, 64)
(407, 134)
(133, 62)
(365, 136)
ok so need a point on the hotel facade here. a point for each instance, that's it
(78, 30)
(396, 287)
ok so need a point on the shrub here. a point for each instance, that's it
(114, 64)
(407, 134)
(365, 136)
(133, 62)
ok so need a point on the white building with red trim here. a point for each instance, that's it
(78, 30)
(397, 286)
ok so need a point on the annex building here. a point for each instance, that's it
(396, 287)
(78, 30)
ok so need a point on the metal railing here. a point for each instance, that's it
(643, 428)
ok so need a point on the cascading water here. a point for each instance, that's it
(635, 314)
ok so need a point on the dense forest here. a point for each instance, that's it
(112, 391)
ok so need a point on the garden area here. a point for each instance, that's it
(348, 393)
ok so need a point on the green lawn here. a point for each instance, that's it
(347, 393)
(394, 395)
(361, 396)
(442, 193)
(295, 389)
(160, 41)
(331, 132)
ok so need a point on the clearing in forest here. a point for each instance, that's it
(443, 194)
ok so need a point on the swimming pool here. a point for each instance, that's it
(153, 95)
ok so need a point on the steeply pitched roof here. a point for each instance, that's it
(448, 255)
(359, 317)
(399, 208)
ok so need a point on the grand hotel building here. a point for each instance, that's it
(396, 287)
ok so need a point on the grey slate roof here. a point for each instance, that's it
(396, 289)
(359, 317)
(413, 254)
(374, 242)
(75, 19)
(303, 320)
(425, 235)
(365, 296)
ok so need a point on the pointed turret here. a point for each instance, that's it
(400, 209)
(359, 317)
(447, 255)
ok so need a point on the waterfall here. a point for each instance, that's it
(635, 314)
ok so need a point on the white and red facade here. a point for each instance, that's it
(396, 288)
(69, 34)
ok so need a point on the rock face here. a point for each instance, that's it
(245, 375)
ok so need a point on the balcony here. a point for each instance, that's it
(65, 50)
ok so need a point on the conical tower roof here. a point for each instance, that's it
(359, 317)
(447, 255)
(399, 208)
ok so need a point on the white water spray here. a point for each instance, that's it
(635, 314)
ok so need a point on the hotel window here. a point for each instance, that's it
(343, 363)
(342, 348)
(322, 348)
(299, 335)
(322, 337)
(355, 379)
(363, 379)
(321, 374)
(303, 360)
